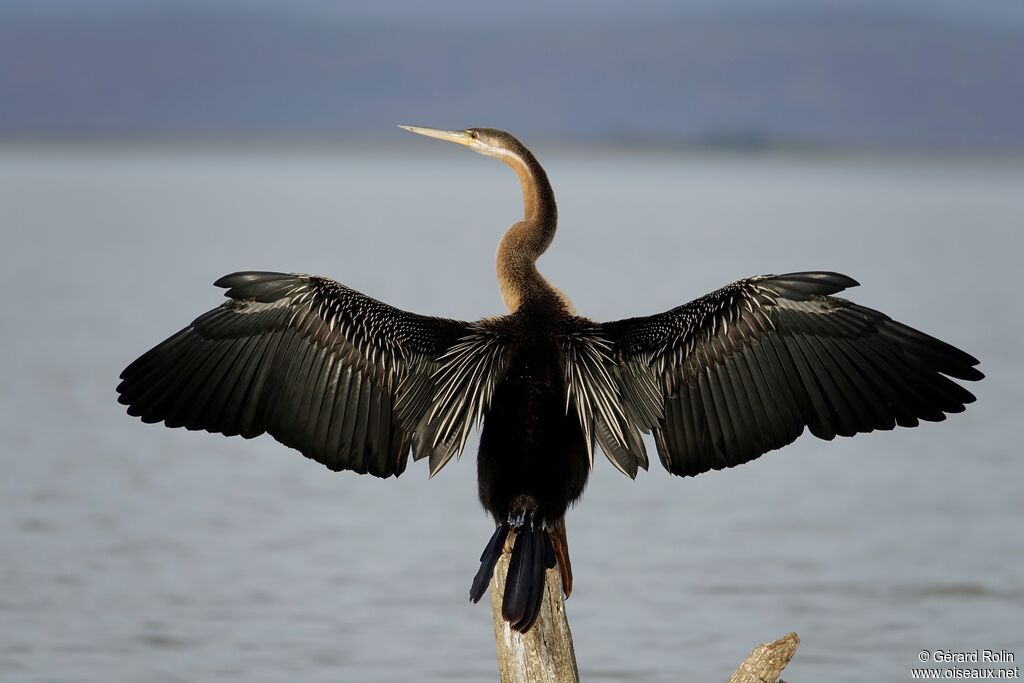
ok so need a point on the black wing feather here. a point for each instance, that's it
(746, 368)
(316, 364)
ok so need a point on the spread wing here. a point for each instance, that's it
(347, 380)
(743, 370)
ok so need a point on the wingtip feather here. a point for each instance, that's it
(248, 277)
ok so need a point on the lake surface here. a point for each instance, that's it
(130, 552)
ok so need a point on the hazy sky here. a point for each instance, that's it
(987, 10)
(942, 74)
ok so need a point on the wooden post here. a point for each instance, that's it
(544, 654)
(766, 662)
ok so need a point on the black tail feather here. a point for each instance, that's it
(519, 580)
(541, 543)
(549, 552)
(529, 573)
(488, 559)
(533, 552)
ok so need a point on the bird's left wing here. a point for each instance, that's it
(345, 379)
(745, 369)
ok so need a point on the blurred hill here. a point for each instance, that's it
(848, 76)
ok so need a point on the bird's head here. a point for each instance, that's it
(489, 141)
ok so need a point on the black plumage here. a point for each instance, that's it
(317, 365)
(358, 385)
(746, 368)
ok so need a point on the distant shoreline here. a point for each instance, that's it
(329, 146)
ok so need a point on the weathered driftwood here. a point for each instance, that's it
(766, 662)
(544, 654)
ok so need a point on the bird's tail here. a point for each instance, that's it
(488, 558)
(532, 553)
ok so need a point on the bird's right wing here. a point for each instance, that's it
(349, 381)
(745, 369)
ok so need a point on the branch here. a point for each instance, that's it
(766, 662)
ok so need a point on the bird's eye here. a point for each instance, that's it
(475, 135)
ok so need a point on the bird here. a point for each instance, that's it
(356, 384)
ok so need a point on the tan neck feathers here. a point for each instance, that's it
(524, 242)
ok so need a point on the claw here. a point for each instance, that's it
(517, 520)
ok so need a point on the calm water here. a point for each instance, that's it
(136, 553)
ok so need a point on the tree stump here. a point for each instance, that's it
(544, 654)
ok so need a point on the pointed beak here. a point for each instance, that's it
(459, 136)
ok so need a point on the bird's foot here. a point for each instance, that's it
(526, 519)
(556, 546)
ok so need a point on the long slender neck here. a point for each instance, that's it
(538, 198)
(524, 242)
